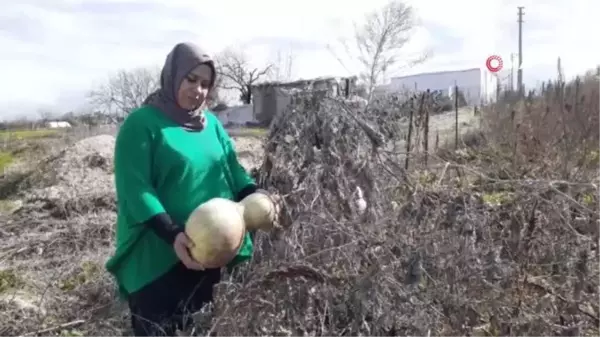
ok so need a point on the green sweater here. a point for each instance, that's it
(161, 167)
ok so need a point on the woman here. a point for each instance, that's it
(171, 155)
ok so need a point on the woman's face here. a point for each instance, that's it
(194, 88)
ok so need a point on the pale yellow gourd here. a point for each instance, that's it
(217, 230)
(217, 227)
(258, 211)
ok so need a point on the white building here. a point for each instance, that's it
(58, 124)
(237, 115)
(478, 85)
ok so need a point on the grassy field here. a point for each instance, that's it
(8, 135)
(15, 144)
(247, 132)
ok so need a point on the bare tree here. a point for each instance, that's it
(124, 91)
(379, 40)
(235, 73)
(214, 96)
(283, 66)
(45, 115)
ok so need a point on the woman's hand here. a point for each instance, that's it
(277, 201)
(182, 245)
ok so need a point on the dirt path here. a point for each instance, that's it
(444, 125)
(249, 149)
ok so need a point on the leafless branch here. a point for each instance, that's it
(124, 91)
(379, 40)
(235, 73)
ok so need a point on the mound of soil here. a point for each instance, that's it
(78, 178)
(53, 248)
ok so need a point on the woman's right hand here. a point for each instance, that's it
(182, 245)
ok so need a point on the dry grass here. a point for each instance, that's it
(56, 242)
(498, 237)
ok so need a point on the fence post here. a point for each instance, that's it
(409, 136)
(455, 117)
(426, 131)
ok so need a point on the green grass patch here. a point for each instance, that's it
(9, 206)
(6, 158)
(9, 280)
(497, 198)
(248, 132)
(9, 135)
(86, 272)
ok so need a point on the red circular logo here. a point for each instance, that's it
(489, 63)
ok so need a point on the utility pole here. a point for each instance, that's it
(511, 80)
(520, 68)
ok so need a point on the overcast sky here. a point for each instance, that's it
(54, 51)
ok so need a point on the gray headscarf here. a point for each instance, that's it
(181, 60)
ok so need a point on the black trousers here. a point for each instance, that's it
(165, 305)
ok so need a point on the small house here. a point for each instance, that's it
(270, 98)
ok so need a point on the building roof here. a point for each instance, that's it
(301, 82)
(436, 73)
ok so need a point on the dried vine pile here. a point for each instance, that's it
(421, 259)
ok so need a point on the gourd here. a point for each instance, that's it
(258, 211)
(217, 230)
(217, 227)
